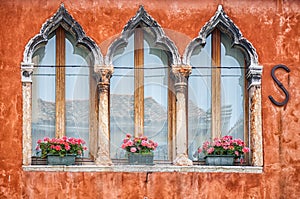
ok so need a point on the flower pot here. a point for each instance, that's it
(140, 158)
(220, 160)
(58, 160)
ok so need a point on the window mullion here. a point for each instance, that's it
(216, 84)
(138, 82)
(60, 83)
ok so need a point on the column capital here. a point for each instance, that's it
(253, 75)
(181, 71)
(181, 74)
(104, 74)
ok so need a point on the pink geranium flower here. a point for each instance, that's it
(138, 144)
(224, 146)
(133, 149)
(61, 146)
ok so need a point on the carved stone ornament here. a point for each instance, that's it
(145, 21)
(105, 74)
(64, 19)
(181, 75)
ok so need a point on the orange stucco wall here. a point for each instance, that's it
(273, 27)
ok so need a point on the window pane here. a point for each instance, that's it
(232, 87)
(122, 99)
(77, 94)
(43, 93)
(156, 99)
(199, 98)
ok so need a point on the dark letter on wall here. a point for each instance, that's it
(287, 96)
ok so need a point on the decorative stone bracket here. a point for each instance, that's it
(26, 72)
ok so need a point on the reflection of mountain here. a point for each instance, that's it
(43, 120)
(77, 113)
(122, 114)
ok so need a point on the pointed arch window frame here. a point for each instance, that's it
(142, 20)
(66, 21)
(253, 75)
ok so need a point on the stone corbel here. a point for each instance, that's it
(181, 74)
(26, 72)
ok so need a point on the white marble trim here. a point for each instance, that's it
(145, 168)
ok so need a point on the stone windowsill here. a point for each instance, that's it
(145, 168)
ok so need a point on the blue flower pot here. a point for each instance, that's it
(220, 160)
(140, 159)
(58, 160)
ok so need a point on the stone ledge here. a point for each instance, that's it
(145, 168)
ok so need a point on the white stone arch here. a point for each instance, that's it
(143, 19)
(64, 19)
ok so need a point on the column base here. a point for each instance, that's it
(182, 160)
(105, 161)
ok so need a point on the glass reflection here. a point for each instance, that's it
(77, 94)
(122, 98)
(232, 87)
(43, 93)
(199, 99)
(156, 98)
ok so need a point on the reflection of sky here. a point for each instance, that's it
(76, 77)
(200, 79)
(155, 85)
(46, 83)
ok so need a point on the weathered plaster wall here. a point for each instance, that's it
(271, 26)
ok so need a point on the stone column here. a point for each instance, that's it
(256, 141)
(181, 74)
(26, 71)
(103, 140)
